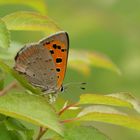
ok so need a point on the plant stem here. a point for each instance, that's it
(42, 131)
(70, 120)
(9, 87)
(66, 108)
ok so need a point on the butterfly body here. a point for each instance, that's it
(44, 63)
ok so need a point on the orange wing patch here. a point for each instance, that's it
(59, 53)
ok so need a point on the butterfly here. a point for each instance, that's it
(44, 63)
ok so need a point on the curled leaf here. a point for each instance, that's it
(104, 100)
(135, 103)
(109, 115)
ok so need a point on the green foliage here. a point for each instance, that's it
(30, 21)
(4, 35)
(37, 5)
(94, 59)
(16, 126)
(30, 108)
(103, 99)
(34, 109)
(6, 134)
(83, 133)
(109, 115)
(1, 80)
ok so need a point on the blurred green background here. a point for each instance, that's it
(111, 27)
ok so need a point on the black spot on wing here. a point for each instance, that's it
(58, 60)
(63, 50)
(57, 69)
(59, 47)
(46, 43)
(54, 46)
(51, 51)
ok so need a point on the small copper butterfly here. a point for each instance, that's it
(44, 63)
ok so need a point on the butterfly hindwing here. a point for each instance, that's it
(36, 64)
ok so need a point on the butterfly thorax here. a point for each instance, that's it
(52, 90)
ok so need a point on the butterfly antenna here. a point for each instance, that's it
(75, 84)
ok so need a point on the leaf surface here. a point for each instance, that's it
(4, 35)
(31, 108)
(109, 115)
(30, 21)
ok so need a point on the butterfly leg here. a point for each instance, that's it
(52, 97)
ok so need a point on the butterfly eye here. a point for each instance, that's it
(62, 89)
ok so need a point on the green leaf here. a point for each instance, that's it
(83, 133)
(30, 21)
(2, 117)
(104, 99)
(90, 59)
(4, 35)
(20, 78)
(1, 80)
(109, 115)
(4, 133)
(31, 108)
(38, 5)
(129, 98)
(15, 135)
(10, 53)
(15, 125)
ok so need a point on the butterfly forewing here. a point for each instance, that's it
(58, 45)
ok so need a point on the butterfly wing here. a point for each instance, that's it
(36, 64)
(58, 45)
